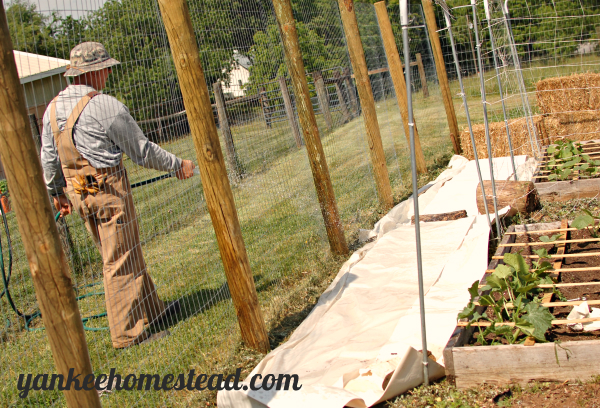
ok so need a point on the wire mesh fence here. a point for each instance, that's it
(254, 106)
(533, 42)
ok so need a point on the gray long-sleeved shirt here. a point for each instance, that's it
(104, 131)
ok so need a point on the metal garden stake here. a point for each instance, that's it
(413, 165)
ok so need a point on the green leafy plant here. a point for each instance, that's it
(587, 220)
(522, 308)
(3, 188)
(567, 157)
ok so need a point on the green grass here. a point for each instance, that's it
(283, 230)
(284, 234)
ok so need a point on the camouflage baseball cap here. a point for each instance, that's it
(89, 56)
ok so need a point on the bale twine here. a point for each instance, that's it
(577, 92)
(570, 106)
(519, 135)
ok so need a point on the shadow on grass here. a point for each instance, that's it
(204, 299)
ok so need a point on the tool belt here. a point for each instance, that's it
(84, 178)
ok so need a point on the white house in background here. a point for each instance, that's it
(238, 77)
(42, 79)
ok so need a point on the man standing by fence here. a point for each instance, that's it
(84, 136)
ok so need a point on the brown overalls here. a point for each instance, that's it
(103, 198)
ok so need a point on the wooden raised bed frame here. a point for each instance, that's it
(519, 364)
(568, 189)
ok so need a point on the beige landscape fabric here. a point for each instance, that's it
(519, 135)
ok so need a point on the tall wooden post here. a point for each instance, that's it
(365, 93)
(225, 129)
(323, 98)
(47, 261)
(340, 95)
(217, 191)
(264, 104)
(289, 111)
(306, 114)
(350, 91)
(421, 69)
(396, 72)
(440, 66)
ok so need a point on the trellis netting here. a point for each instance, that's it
(242, 54)
(542, 50)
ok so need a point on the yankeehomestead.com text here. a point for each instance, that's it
(129, 382)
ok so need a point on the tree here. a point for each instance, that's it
(30, 30)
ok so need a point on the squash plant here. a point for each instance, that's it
(566, 157)
(522, 308)
(587, 220)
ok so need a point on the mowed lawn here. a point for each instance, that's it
(282, 228)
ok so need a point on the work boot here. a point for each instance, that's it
(147, 337)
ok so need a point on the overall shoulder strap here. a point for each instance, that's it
(69, 155)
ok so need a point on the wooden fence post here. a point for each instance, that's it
(338, 90)
(226, 130)
(289, 111)
(264, 103)
(47, 261)
(440, 65)
(351, 92)
(396, 72)
(306, 114)
(323, 98)
(217, 191)
(365, 93)
(421, 69)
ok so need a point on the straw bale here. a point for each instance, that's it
(577, 92)
(574, 126)
(519, 136)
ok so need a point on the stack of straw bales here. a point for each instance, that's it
(570, 106)
(519, 135)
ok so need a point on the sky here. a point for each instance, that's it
(75, 8)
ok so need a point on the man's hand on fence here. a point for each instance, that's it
(186, 171)
(62, 204)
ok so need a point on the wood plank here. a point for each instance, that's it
(568, 241)
(568, 190)
(563, 285)
(556, 322)
(564, 235)
(450, 216)
(566, 285)
(583, 255)
(592, 268)
(518, 364)
(547, 303)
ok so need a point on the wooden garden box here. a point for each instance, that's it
(468, 366)
(568, 189)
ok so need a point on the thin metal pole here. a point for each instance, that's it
(485, 118)
(524, 99)
(493, 44)
(413, 166)
(464, 98)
